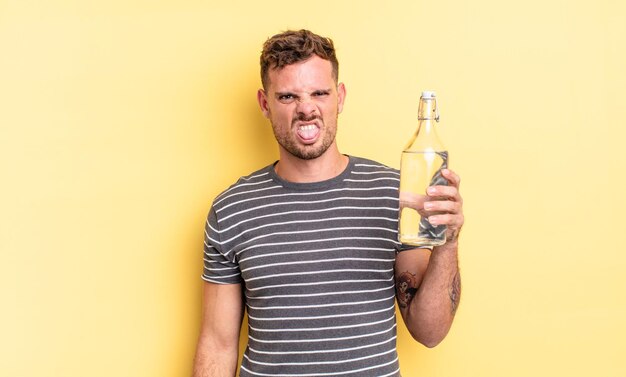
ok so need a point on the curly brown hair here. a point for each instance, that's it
(293, 46)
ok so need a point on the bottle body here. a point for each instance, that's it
(422, 161)
(420, 170)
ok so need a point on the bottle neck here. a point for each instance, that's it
(426, 138)
(428, 109)
(427, 115)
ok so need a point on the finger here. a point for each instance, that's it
(407, 196)
(452, 221)
(453, 178)
(443, 206)
(444, 192)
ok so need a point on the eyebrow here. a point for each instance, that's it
(278, 94)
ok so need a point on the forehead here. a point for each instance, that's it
(313, 73)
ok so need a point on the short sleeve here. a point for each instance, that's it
(220, 266)
(400, 247)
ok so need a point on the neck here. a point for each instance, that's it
(327, 166)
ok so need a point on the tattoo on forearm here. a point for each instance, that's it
(406, 287)
(455, 292)
(453, 236)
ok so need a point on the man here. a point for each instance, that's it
(308, 245)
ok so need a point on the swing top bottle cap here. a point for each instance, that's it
(428, 94)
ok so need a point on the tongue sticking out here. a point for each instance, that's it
(308, 132)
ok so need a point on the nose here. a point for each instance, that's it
(305, 106)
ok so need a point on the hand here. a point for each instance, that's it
(447, 203)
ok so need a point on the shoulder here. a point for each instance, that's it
(364, 165)
(246, 186)
(372, 174)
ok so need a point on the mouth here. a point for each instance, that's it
(308, 132)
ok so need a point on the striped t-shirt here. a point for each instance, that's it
(317, 264)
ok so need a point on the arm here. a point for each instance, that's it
(218, 346)
(428, 284)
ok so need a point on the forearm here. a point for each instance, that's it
(213, 360)
(430, 313)
(218, 345)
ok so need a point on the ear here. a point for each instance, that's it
(341, 96)
(261, 97)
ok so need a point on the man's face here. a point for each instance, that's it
(302, 101)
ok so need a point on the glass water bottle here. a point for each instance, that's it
(421, 164)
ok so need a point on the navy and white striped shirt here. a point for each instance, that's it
(317, 264)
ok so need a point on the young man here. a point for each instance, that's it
(308, 245)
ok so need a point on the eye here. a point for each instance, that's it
(286, 98)
(320, 93)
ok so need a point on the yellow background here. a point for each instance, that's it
(121, 120)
